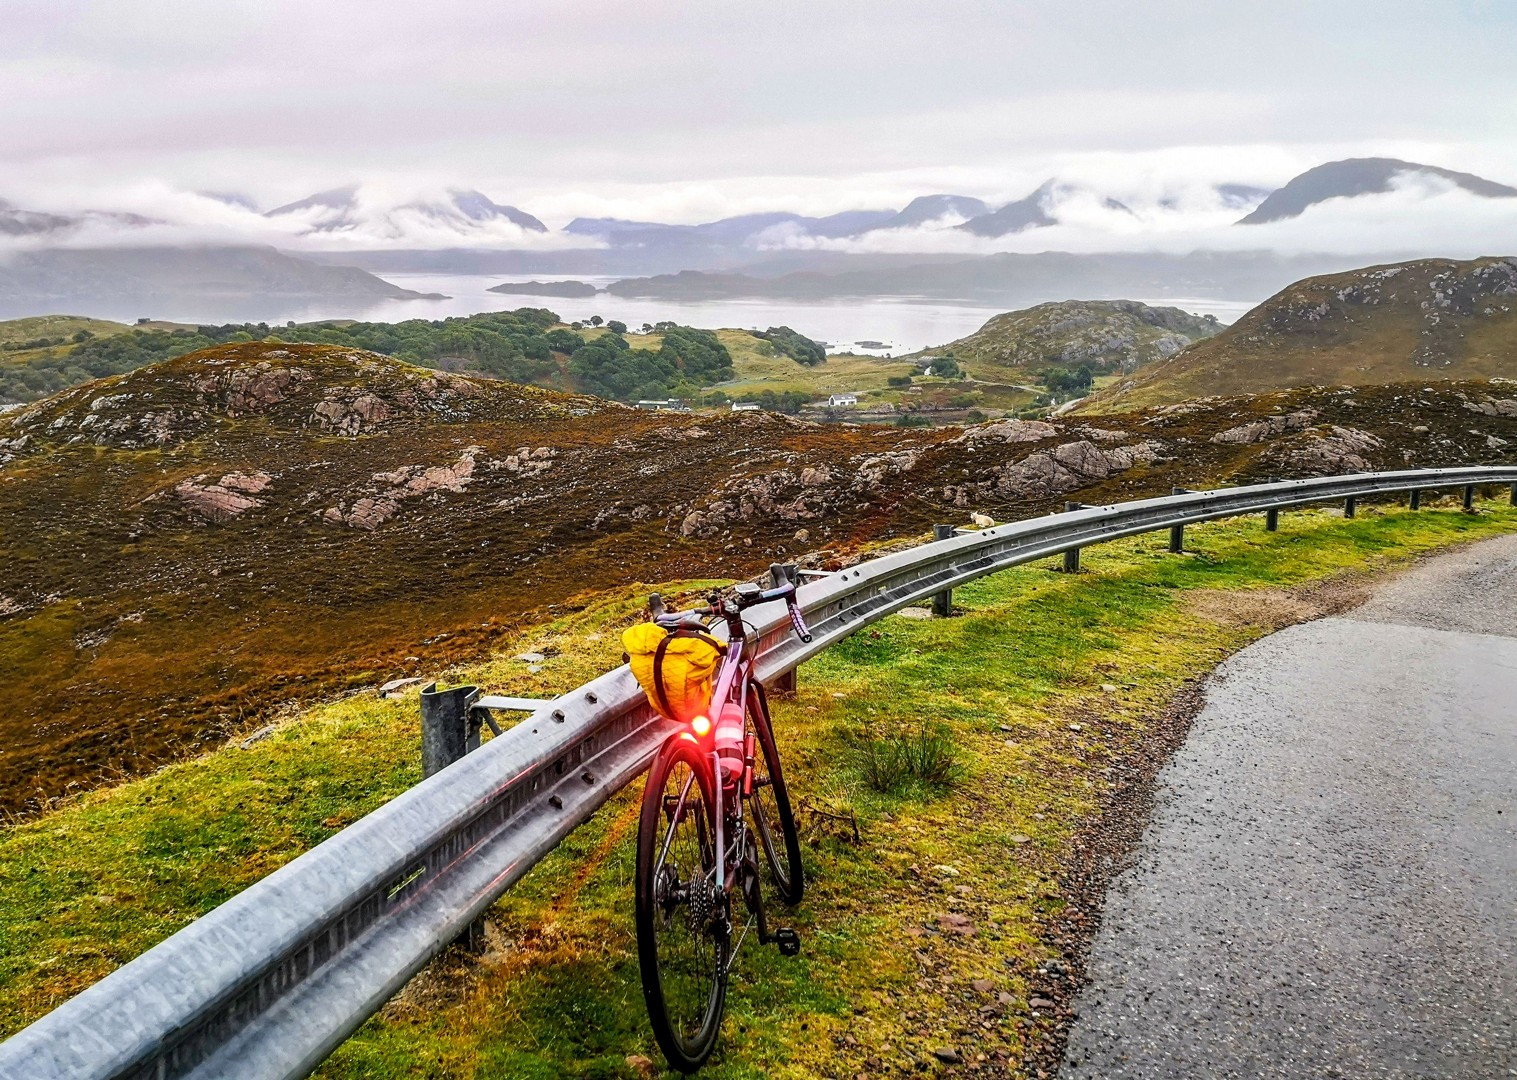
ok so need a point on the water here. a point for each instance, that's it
(898, 324)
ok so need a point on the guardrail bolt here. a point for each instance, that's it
(449, 728)
(942, 602)
(1350, 505)
(1469, 498)
(1414, 500)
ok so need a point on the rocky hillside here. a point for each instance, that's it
(1106, 335)
(191, 546)
(1429, 319)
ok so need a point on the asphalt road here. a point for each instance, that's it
(1329, 885)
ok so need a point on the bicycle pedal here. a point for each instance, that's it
(788, 941)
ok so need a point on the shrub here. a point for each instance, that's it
(898, 380)
(921, 759)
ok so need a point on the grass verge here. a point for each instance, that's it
(924, 936)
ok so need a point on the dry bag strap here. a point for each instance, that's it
(658, 663)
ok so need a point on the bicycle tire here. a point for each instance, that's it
(788, 876)
(687, 1029)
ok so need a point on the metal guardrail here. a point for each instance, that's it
(269, 983)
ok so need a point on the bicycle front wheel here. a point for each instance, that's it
(682, 929)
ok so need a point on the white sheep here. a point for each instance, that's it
(980, 521)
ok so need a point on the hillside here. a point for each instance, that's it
(1105, 335)
(193, 545)
(1428, 319)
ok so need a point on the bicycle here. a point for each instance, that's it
(695, 843)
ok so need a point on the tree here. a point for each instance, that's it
(1064, 381)
(596, 320)
(616, 327)
(945, 367)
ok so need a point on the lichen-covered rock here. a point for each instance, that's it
(1266, 428)
(1323, 453)
(225, 499)
(1009, 431)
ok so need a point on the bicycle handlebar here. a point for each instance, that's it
(747, 597)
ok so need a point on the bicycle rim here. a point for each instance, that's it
(682, 951)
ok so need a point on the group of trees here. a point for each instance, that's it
(686, 360)
(800, 349)
(1063, 382)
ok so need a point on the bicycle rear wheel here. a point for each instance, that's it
(772, 817)
(682, 929)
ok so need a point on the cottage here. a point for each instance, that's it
(745, 406)
(836, 400)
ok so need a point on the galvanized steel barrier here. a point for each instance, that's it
(267, 984)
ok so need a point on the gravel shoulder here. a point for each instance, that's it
(1328, 886)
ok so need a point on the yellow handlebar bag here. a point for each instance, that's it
(675, 670)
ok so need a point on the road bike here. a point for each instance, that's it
(716, 821)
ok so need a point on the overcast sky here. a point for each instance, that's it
(685, 111)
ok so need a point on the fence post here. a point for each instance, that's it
(1415, 501)
(1469, 498)
(942, 602)
(1072, 556)
(1350, 504)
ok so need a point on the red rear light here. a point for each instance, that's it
(701, 725)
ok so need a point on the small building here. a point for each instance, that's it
(746, 406)
(664, 405)
(836, 400)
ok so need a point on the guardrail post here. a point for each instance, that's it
(1272, 515)
(785, 684)
(1469, 498)
(1514, 495)
(1177, 532)
(942, 602)
(1414, 501)
(449, 730)
(1072, 556)
(1350, 505)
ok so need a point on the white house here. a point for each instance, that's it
(836, 400)
(746, 406)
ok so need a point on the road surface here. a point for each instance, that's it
(1328, 887)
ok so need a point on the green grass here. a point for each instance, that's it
(1039, 685)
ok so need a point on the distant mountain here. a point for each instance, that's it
(1030, 212)
(1237, 196)
(1360, 176)
(120, 281)
(336, 205)
(925, 209)
(340, 209)
(1106, 335)
(1010, 279)
(15, 221)
(726, 232)
(232, 198)
(1427, 319)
